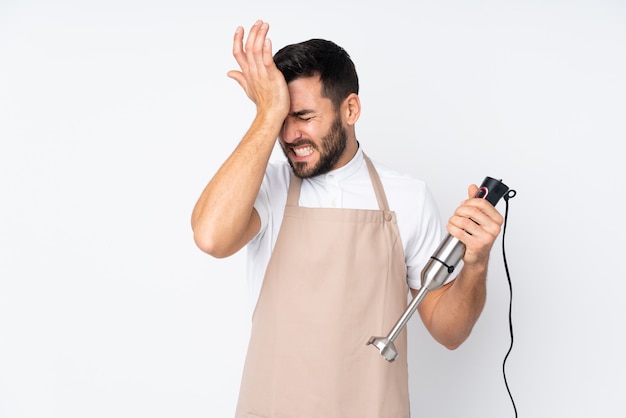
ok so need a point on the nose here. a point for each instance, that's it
(290, 131)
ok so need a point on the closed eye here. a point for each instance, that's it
(303, 115)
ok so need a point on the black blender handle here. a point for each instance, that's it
(492, 190)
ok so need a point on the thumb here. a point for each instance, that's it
(238, 77)
(472, 190)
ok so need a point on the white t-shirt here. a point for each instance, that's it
(348, 187)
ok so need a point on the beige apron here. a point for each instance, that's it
(335, 278)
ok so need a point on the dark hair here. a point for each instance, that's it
(324, 58)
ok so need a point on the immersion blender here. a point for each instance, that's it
(437, 270)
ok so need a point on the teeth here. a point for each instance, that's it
(303, 151)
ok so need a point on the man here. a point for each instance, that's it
(334, 241)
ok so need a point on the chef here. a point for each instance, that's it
(335, 241)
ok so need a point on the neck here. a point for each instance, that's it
(352, 146)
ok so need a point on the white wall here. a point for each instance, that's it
(114, 115)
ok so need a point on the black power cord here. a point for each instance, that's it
(508, 196)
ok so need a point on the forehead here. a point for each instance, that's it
(306, 93)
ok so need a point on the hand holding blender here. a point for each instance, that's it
(436, 271)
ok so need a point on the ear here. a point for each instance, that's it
(351, 108)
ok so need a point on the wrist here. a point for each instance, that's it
(472, 273)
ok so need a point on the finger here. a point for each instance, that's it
(477, 213)
(238, 52)
(481, 214)
(471, 226)
(268, 58)
(471, 234)
(252, 39)
(260, 43)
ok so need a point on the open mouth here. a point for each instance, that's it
(303, 151)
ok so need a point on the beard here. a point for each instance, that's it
(332, 148)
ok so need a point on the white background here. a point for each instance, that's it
(115, 114)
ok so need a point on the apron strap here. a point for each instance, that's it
(293, 196)
(378, 185)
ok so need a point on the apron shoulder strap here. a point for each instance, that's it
(293, 196)
(378, 185)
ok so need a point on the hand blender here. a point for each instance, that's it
(441, 264)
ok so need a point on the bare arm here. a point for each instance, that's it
(224, 219)
(450, 312)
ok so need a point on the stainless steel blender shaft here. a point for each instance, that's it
(434, 274)
(385, 344)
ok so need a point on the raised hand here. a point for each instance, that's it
(263, 83)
